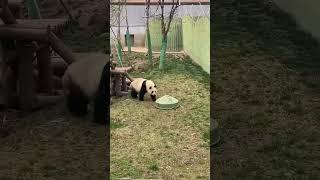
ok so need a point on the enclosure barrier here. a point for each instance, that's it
(196, 40)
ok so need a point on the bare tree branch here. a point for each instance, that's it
(166, 27)
(174, 7)
(147, 12)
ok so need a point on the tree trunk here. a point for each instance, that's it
(163, 52)
(128, 39)
(149, 45)
(148, 32)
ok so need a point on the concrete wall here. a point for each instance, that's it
(306, 13)
(196, 40)
(136, 19)
(174, 42)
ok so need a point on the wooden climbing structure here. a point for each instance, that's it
(31, 74)
(119, 79)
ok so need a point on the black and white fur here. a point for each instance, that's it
(142, 86)
(87, 81)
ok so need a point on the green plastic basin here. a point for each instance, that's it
(167, 102)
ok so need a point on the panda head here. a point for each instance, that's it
(151, 89)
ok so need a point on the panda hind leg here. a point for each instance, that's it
(134, 93)
(77, 105)
(102, 99)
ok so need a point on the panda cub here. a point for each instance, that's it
(142, 86)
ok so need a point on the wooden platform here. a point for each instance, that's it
(57, 25)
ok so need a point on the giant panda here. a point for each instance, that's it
(87, 82)
(142, 86)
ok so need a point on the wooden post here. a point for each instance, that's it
(25, 76)
(129, 77)
(8, 71)
(45, 69)
(111, 86)
(124, 83)
(117, 85)
(6, 15)
(10, 32)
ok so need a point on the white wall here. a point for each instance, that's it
(136, 19)
(306, 13)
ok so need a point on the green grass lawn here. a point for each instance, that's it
(150, 143)
(265, 92)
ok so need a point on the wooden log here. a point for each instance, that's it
(124, 83)
(6, 15)
(117, 85)
(124, 69)
(61, 48)
(25, 76)
(58, 65)
(129, 77)
(111, 86)
(113, 65)
(23, 34)
(8, 85)
(56, 81)
(117, 72)
(45, 69)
